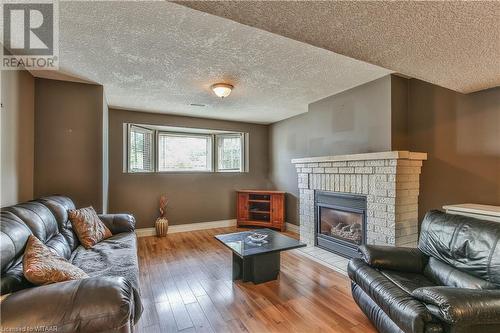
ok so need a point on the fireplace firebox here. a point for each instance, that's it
(340, 222)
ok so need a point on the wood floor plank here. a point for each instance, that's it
(218, 299)
(200, 321)
(166, 317)
(186, 287)
(181, 316)
(185, 291)
(149, 315)
(153, 329)
(212, 314)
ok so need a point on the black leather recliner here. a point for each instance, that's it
(107, 301)
(450, 283)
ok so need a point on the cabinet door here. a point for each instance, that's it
(242, 207)
(277, 209)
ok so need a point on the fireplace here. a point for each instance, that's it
(340, 222)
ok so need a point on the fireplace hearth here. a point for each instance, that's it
(340, 222)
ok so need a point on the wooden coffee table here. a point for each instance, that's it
(257, 262)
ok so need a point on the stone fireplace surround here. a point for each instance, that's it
(389, 180)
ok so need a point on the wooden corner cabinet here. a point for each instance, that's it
(264, 209)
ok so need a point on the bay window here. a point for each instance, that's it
(173, 149)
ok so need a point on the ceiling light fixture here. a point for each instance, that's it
(222, 89)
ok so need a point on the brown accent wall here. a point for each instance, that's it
(400, 88)
(461, 134)
(17, 137)
(194, 197)
(69, 136)
(355, 121)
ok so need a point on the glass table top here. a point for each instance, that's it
(241, 244)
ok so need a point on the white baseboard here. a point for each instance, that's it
(172, 229)
(292, 227)
(145, 232)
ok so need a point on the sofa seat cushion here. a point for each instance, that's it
(407, 281)
(409, 314)
(115, 256)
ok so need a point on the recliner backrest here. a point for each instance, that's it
(46, 219)
(465, 243)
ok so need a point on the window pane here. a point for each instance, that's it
(140, 149)
(184, 152)
(229, 152)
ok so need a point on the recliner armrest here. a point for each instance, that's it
(93, 304)
(405, 259)
(118, 223)
(462, 306)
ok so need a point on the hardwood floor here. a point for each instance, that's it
(186, 286)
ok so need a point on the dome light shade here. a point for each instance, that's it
(222, 89)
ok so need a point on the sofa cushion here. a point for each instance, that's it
(445, 275)
(13, 279)
(409, 314)
(59, 206)
(465, 243)
(115, 256)
(88, 227)
(42, 266)
(37, 217)
(13, 237)
(407, 281)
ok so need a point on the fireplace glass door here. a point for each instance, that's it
(344, 225)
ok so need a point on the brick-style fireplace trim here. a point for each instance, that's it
(389, 180)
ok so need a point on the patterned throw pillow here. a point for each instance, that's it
(42, 266)
(88, 227)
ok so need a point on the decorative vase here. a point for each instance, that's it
(161, 227)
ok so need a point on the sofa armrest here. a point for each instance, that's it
(93, 304)
(118, 223)
(462, 306)
(405, 259)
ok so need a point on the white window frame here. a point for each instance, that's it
(144, 130)
(214, 136)
(240, 136)
(210, 150)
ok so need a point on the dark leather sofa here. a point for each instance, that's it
(107, 301)
(450, 283)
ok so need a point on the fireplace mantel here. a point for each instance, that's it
(385, 155)
(389, 180)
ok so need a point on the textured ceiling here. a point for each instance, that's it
(161, 57)
(454, 44)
